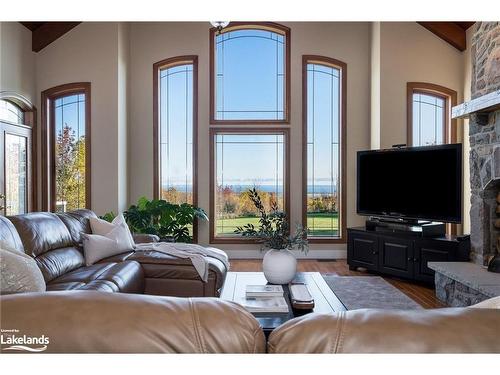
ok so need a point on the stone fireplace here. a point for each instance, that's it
(466, 283)
(484, 136)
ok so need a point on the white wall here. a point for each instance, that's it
(411, 53)
(17, 61)
(152, 42)
(91, 53)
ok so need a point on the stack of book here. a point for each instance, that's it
(265, 299)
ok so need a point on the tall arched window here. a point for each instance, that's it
(249, 71)
(66, 147)
(17, 152)
(249, 86)
(429, 114)
(175, 112)
(324, 138)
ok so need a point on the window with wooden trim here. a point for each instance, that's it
(241, 160)
(429, 112)
(324, 129)
(175, 97)
(66, 147)
(249, 68)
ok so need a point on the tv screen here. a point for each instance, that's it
(423, 183)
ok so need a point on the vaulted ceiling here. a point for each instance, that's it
(44, 33)
(453, 33)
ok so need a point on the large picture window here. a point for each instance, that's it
(241, 160)
(175, 129)
(250, 73)
(429, 114)
(66, 147)
(324, 105)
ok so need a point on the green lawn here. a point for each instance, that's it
(319, 224)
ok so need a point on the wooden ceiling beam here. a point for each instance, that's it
(450, 32)
(48, 32)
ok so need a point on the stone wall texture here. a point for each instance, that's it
(484, 136)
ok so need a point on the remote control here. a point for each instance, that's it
(300, 293)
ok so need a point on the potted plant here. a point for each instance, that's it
(279, 263)
(169, 221)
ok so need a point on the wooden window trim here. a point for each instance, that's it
(270, 26)
(286, 180)
(342, 66)
(450, 128)
(157, 67)
(30, 118)
(48, 151)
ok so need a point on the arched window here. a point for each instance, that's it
(175, 113)
(429, 114)
(324, 139)
(66, 147)
(249, 70)
(17, 152)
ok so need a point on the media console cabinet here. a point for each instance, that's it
(402, 254)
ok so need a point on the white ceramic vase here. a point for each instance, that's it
(279, 266)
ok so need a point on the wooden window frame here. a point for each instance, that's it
(48, 136)
(157, 67)
(450, 98)
(286, 178)
(269, 26)
(342, 66)
(30, 117)
(450, 125)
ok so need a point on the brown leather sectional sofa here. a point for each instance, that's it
(94, 322)
(54, 242)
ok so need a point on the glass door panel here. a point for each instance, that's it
(15, 169)
(16, 174)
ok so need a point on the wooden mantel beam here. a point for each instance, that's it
(450, 32)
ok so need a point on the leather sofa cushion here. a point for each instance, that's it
(93, 322)
(126, 277)
(9, 235)
(56, 263)
(41, 232)
(77, 222)
(448, 330)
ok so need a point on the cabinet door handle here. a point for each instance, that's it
(410, 259)
(375, 252)
(415, 260)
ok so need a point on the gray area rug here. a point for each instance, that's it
(367, 292)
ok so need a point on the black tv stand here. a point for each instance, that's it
(417, 227)
(403, 254)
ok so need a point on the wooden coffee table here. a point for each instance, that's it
(325, 301)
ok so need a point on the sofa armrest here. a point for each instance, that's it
(94, 322)
(145, 238)
(491, 303)
(447, 330)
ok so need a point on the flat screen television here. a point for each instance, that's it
(413, 183)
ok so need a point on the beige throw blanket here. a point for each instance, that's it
(196, 253)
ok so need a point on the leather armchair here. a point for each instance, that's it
(94, 322)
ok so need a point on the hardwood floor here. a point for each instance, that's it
(421, 294)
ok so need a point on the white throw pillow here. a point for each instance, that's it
(97, 247)
(19, 272)
(102, 228)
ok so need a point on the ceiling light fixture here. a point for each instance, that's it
(219, 25)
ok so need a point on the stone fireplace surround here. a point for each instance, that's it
(467, 283)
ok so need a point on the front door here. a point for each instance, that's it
(15, 169)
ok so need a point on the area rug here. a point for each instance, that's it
(367, 292)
